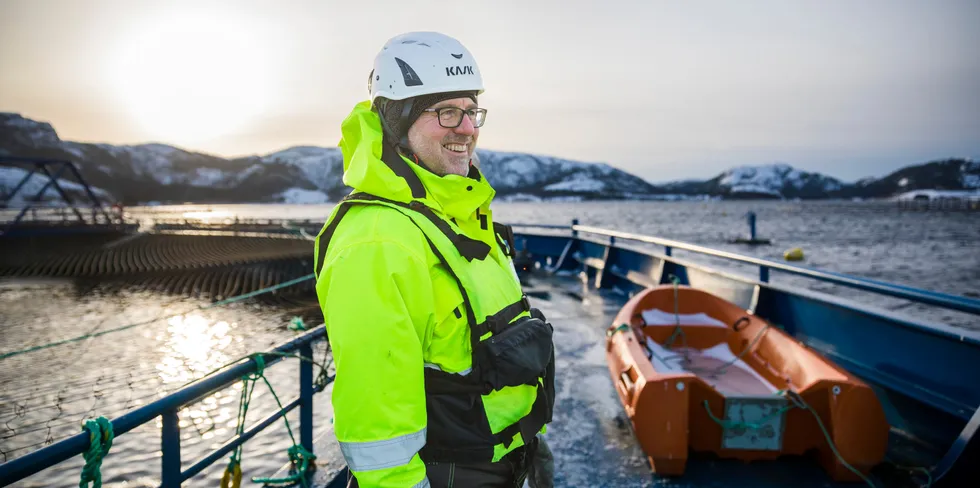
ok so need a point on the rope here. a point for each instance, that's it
(100, 435)
(678, 331)
(795, 399)
(685, 352)
(299, 456)
(232, 478)
(799, 402)
(727, 424)
(296, 323)
(618, 329)
(796, 402)
(150, 321)
(914, 469)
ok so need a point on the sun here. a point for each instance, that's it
(190, 78)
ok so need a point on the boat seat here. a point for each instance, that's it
(716, 365)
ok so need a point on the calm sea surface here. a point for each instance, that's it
(44, 395)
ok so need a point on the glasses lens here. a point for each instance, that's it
(479, 117)
(450, 117)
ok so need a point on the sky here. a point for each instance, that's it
(665, 90)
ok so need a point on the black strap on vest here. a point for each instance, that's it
(390, 156)
(325, 238)
(505, 316)
(468, 247)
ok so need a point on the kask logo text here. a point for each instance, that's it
(459, 70)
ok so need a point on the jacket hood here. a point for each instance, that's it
(364, 170)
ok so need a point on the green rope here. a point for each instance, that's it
(678, 331)
(728, 424)
(799, 402)
(914, 469)
(296, 323)
(299, 456)
(150, 321)
(302, 459)
(100, 440)
(618, 329)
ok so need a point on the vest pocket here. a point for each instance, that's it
(520, 354)
(458, 428)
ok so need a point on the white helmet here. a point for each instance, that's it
(422, 63)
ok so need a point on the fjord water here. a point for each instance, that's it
(46, 394)
(934, 250)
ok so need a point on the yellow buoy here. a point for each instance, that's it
(795, 254)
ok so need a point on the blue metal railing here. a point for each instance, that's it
(167, 407)
(953, 302)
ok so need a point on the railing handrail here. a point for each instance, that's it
(954, 302)
(41, 459)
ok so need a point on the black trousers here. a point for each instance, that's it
(509, 472)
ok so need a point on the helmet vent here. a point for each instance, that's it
(409, 74)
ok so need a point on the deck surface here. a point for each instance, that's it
(591, 437)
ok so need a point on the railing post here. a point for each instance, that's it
(170, 443)
(764, 274)
(306, 397)
(668, 251)
(600, 279)
(574, 232)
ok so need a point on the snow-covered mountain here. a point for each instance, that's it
(949, 174)
(783, 181)
(766, 181)
(543, 176)
(154, 172)
(162, 173)
(305, 174)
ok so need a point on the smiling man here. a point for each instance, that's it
(445, 375)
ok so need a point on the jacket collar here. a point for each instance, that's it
(371, 167)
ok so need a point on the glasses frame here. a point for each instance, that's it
(471, 113)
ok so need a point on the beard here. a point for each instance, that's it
(440, 160)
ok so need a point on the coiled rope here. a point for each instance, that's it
(100, 440)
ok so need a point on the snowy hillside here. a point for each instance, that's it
(970, 174)
(944, 175)
(309, 174)
(303, 174)
(322, 166)
(784, 181)
(543, 176)
(773, 178)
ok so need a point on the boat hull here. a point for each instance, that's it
(768, 382)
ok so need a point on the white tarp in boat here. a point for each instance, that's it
(658, 318)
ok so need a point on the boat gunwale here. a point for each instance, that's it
(939, 329)
(945, 300)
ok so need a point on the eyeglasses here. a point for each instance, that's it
(451, 117)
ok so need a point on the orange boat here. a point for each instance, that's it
(697, 373)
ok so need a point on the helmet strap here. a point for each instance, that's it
(406, 111)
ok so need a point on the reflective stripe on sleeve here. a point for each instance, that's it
(389, 453)
(436, 367)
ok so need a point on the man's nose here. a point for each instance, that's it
(466, 128)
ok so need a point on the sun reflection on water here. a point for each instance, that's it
(192, 347)
(209, 215)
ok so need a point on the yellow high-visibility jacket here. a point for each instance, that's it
(412, 274)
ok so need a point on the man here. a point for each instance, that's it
(444, 373)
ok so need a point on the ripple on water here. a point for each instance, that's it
(47, 393)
